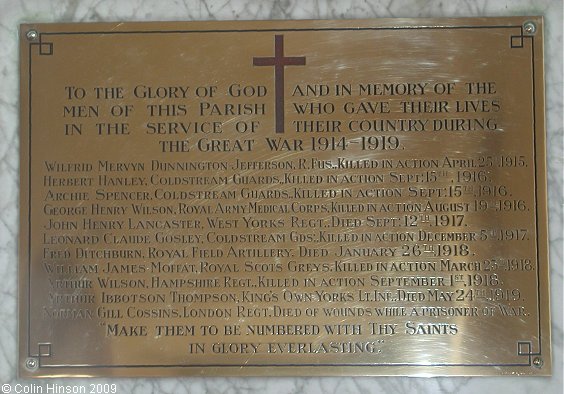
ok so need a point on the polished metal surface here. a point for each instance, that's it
(284, 198)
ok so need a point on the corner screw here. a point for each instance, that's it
(31, 364)
(537, 362)
(530, 28)
(32, 35)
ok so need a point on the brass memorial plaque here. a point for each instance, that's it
(284, 198)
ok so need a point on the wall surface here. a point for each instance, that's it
(14, 12)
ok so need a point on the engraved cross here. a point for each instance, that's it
(279, 61)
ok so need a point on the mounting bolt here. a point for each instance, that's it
(32, 35)
(537, 362)
(530, 28)
(31, 364)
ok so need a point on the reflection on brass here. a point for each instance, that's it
(284, 198)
